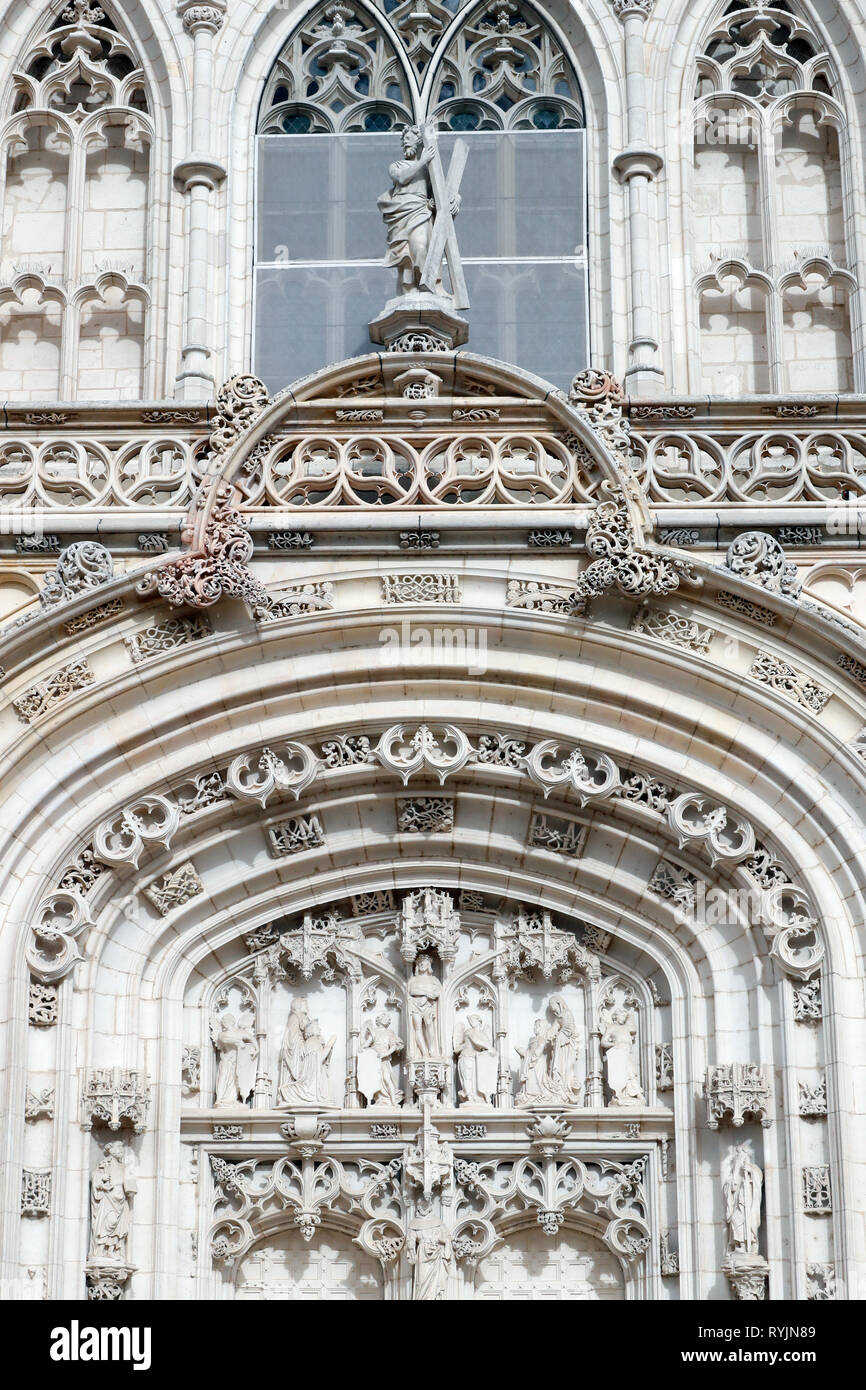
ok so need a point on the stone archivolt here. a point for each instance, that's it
(702, 825)
(699, 823)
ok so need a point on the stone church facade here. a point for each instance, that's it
(434, 766)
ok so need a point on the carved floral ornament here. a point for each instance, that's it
(622, 557)
(701, 824)
(431, 1013)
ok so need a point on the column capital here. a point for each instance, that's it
(633, 161)
(196, 17)
(198, 169)
(623, 8)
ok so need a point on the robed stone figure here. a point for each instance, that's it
(305, 1059)
(430, 1251)
(476, 1062)
(112, 1185)
(742, 1193)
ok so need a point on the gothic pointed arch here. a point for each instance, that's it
(504, 67)
(485, 934)
(339, 71)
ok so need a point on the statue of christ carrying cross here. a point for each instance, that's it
(419, 212)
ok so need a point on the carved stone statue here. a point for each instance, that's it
(619, 1034)
(409, 208)
(305, 1060)
(476, 1062)
(378, 1044)
(564, 1045)
(112, 1185)
(741, 1189)
(424, 994)
(431, 1253)
(236, 1074)
(548, 1066)
(533, 1086)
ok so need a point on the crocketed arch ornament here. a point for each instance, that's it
(218, 547)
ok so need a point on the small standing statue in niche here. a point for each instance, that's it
(236, 1074)
(430, 1251)
(112, 1185)
(532, 1080)
(742, 1193)
(419, 193)
(378, 1044)
(476, 1062)
(305, 1060)
(619, 1033)
(424, 994)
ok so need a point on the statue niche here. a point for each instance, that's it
(235, 1043)
(477, 1065)
(618, 1026)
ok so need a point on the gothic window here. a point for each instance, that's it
(74, 174)
(774, 285)
(344, 86)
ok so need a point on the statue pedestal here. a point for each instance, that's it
(429, 1078)
(747, 1274)
(419, 322)
(106, 1278)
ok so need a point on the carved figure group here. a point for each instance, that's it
(548, 1063)
(305, 1059)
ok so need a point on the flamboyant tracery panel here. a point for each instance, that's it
(774, 285)
(74, 182)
